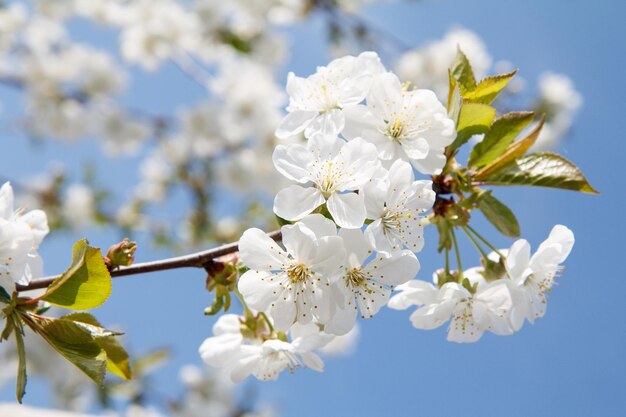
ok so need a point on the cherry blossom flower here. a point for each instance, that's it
(366, 286)
(533, 276)
(334, 168)
(470, 314)
(292, 284)
(411, 125)
(394, 204)
(316, 103)
(262, 356)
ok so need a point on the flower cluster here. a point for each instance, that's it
(496, 302)
(355, 208)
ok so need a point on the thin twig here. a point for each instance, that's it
(194, 260)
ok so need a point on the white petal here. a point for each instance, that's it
(294, 123)
(394, 270)
(343, 320)
(517, 261)
(348, 210)
(283, 312)
(356, 245)
(329, 257)
(329, 123)
(320, 225)
(219, 351)
(299, 241)
(6, 201)
(311, 360)
(259, 288)
(260, 252)
(376, 236)
(292, 161)
(416, 292)
(295, 202)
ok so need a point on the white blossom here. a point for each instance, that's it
(292, 284)
(427, 66)
(366, 285)
(561, 101)
(533, 276)
(395, 204)
(316, 103)
(411, 125)
(79, 206)
(329, 170)
(470, 314)
(263, 357)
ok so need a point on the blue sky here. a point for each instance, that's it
(570, 363)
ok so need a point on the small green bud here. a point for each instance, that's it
(121, 254)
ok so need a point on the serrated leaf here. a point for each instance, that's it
(85, 285)
(118, 362)
(488, 88)
(542, 169)
(500, 135)
(74, 341)
(499, 215)
(462, 72)
(513, 151)
(474, 119)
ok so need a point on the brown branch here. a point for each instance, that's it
(194, 260)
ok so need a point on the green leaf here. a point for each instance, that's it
(500, 135)
(85, 285)
(542, 169)
(118, 362)
(488, 88)
(462, 72)
(151, 361)
(20, 385)
(474, 118)
(512, 152)
(498, 214)
(75, 341)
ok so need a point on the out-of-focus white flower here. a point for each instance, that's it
(561, 101)
(251, 100)
(79, 206)
(12, 19)
(120, 132)
(156, 31)
(427, 67)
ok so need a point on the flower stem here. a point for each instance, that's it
(267, 320)
(471, 229)
(457, 253)
(480, 249)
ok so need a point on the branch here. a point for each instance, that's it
(194, 260)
